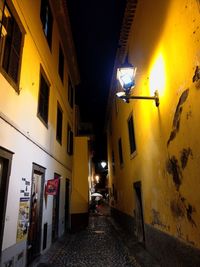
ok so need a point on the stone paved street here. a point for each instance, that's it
(101, 244)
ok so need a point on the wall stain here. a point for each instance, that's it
(177, 116)
(157, 221)
(185, 153)
(180, 208)
(189, 114)
(179, 231)
(177, 207)
(173, 169)
(196, 76)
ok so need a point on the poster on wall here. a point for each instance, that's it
(24, 207)
(52, 187)
(23, 219)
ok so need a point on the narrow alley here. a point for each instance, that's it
(102, 243)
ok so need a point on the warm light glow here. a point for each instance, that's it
(103, 164)
(157, 75)
(126, 77)
(97, 178)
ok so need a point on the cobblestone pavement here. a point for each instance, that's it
(101, 244)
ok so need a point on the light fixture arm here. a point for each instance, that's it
(155, 98)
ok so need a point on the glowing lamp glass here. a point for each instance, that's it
(126, 77)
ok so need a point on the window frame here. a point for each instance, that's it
(131, 134)
(61, 63)
(70, 140)
(59, 124)
(12, 52)
(40, 116)
(47, 26)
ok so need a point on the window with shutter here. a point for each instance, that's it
(11, 46)
(43, 102)
(59, 124)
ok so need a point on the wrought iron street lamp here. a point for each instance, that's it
(126, 76)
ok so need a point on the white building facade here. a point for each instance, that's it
(38, 73)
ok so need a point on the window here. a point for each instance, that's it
(61, 64)
(120, 151)
(47, 20)
(59, 124)
(131, 134)
(11, 46)
(69, 140)
(43, 103)
(70, 94)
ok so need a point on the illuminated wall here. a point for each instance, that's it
(23, 133)
(164, 45)
(80, 188)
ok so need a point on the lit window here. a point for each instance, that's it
(43, 102)
(47, 20)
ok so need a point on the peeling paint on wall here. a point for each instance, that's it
(157, 221)
(185, 153)
(180, 208)
(173, 169)
(196, 77)
(189, 114)
(177, 116)
(177, 207)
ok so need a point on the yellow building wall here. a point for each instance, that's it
(80, 192)
(24, 106)
(164, 45)
(21, 130)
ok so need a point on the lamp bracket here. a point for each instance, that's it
(155, 98)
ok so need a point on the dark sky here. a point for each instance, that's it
(95, 27)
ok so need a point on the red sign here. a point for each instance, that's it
(52, 187)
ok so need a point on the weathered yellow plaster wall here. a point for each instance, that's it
(80, 176)
(164, 45)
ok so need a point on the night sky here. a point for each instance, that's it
(95, 27)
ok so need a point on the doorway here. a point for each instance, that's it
(55, 211)
(67, 205)
(35, 228)
(5, 167)
(139, 220)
